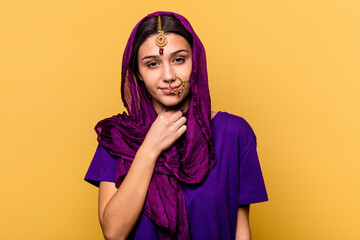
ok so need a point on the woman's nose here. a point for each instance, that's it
(168, 73)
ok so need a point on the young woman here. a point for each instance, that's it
(171, 168)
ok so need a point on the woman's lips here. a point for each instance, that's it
(167, 90)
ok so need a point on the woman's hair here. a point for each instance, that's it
(169, 24)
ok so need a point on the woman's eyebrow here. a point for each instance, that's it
(181, 50)
(172, 54)
(151, 56)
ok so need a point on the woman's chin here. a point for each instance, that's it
(171, 102)
(173, 105)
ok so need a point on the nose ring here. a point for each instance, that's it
(181, 87)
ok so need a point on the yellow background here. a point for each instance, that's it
(290, 68)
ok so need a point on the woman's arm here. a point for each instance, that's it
(242, 225)
(119, 209)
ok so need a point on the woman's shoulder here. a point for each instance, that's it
(227, 118)
(231, 123)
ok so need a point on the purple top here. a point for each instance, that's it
(212, 205)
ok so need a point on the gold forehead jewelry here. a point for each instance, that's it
(181, 88)
(160, 39)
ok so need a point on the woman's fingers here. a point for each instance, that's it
(175, 116)
(180, 122)
(181, 131)
(170, 117)
(176, 120)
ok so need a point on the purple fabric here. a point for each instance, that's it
(211, 205)
(189, 160)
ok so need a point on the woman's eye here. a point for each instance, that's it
(179, 59)
(152, 64)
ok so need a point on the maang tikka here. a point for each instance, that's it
(160, 39)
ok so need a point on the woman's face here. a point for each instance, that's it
(157, 71)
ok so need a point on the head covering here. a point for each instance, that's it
(189, 159)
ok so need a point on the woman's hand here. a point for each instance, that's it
(165, 130)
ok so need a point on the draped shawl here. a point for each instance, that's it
(189, 159)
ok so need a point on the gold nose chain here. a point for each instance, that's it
(181, 88)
